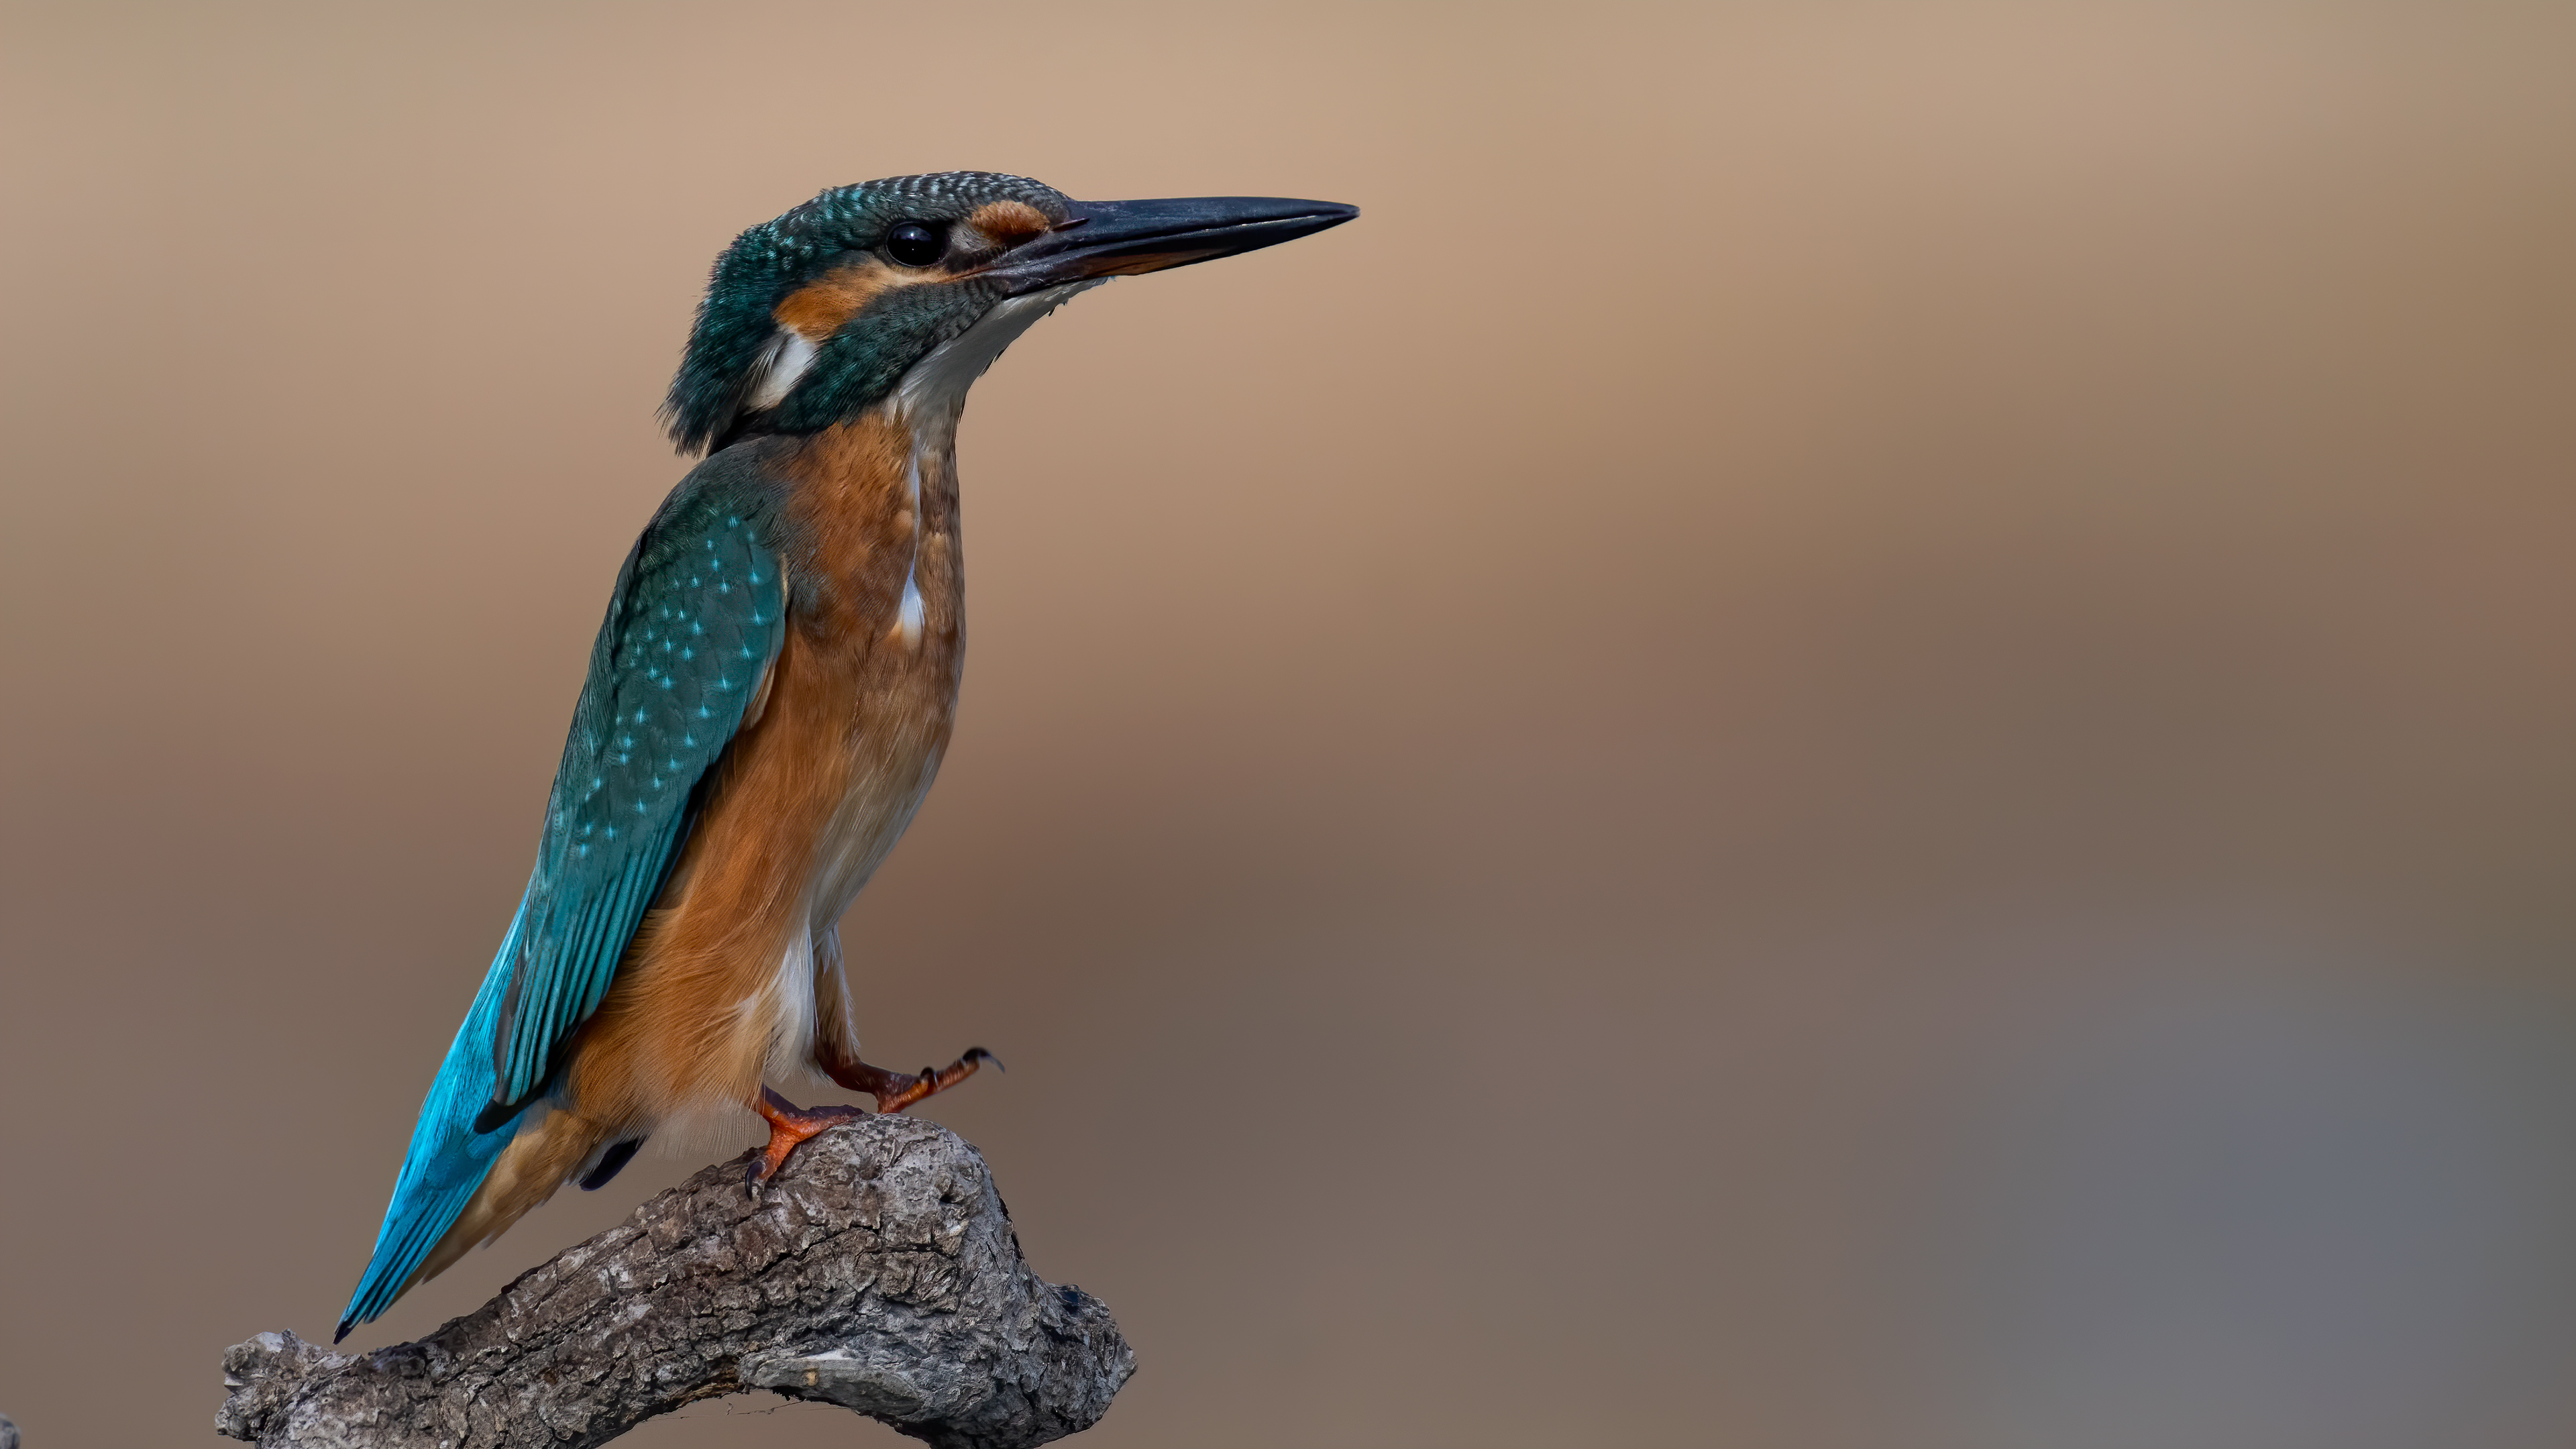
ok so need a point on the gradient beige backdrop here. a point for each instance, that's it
(1859, 733)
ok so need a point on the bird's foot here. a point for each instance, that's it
(895, 1091)
(789, 1125)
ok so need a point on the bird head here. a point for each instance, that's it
(907, 288)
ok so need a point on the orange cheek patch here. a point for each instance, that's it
(816, 310)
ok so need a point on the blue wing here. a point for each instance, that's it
(696, 618)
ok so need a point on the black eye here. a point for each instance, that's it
(914, 245)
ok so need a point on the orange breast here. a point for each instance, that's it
(717, 988)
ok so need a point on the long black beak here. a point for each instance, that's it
(1129, 238)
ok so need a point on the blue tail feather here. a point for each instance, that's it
(448, 1158)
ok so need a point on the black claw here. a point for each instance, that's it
(978, 1054)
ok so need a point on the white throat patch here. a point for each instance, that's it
(935, 388)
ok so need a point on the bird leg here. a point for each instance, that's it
(789, 1124)
(895, 1091)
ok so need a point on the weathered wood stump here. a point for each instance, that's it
(878, 1271)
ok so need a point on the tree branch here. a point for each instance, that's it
(878, 1271)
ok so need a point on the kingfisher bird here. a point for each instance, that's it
(768, 699)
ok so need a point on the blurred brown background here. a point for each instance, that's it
(1860, 731)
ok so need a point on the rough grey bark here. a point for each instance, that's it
(878, 1271)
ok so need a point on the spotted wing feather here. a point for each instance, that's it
(696, 619)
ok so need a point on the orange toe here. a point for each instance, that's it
(789, 1125)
